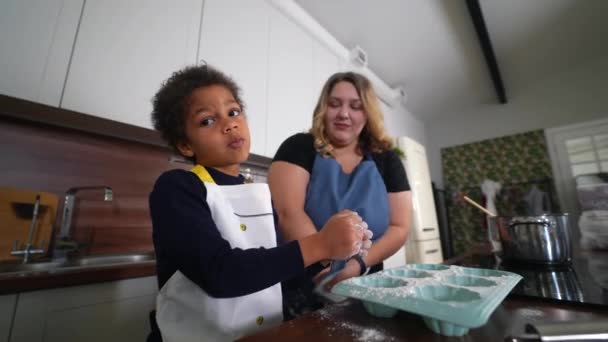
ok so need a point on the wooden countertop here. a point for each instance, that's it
(348, 321)
(89, 275)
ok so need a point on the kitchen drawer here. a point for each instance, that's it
(7, 310)
(424, 233)
(108, 311)
(424, 252)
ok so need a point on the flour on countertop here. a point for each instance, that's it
(531, 313)
(358, 332)
(363, 334)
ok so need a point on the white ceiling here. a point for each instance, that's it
(430, 48)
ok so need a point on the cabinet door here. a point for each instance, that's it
(290, 96)
(124, 50)
(114, 311)
(234, 39)
(324, 64)
(36, 39)
(7, 309)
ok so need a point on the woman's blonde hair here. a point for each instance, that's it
(373, 137)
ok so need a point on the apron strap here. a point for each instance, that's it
(202, 174)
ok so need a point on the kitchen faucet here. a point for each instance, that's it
(64, 242)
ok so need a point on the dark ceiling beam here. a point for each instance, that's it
(486, 47)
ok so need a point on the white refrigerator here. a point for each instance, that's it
(423, 244)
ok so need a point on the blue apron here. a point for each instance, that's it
(330, 190)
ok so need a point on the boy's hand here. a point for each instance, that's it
(343, 235)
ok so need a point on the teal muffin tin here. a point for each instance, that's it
(450, 299)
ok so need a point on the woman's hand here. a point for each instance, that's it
(352, 269)
(320, 276)
(367, 241)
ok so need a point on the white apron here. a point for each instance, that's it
(184, 312)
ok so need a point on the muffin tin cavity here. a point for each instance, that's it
(430, 267)
(400, 272)
(468, 281)
(450, 299)
(380, 282)
(442, 293)
(481, 272)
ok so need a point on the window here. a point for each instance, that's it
(588, 154)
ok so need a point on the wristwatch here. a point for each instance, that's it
(364, 268)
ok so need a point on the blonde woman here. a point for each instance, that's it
(346, 161)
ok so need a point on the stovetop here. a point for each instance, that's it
(585, 280)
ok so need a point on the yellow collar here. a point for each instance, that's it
(202, 174)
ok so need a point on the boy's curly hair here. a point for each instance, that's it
(170, 104)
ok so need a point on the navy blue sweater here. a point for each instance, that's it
(187, 239)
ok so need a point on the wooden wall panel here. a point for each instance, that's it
(41, 157)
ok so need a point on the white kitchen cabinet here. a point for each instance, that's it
(290, 82)
(36, 39)
(7, 309)
(236, 42)
(426, 252)
(324, 64)
(112, 311)
(124, 50)
(280, 68)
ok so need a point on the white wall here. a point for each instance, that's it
(577, 95)
(400, 122)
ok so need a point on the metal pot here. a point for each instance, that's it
(541, 239)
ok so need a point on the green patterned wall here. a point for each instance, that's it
(515, 161)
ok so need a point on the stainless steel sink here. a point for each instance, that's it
(111, 259)
(78, 263)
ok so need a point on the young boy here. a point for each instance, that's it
(218, 266)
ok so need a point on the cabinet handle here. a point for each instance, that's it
(427, 229)
(432, 251)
